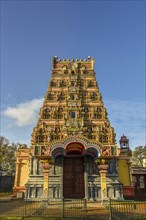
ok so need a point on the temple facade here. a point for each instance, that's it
(73, 151)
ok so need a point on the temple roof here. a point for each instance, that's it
(73, 105)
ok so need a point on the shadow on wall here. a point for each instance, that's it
(6, 183)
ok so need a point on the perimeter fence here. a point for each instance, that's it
(127, 209)
(77, 208)
(48, 208)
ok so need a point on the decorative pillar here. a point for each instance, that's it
(28, 193)
(31, 166)
(103, 170)
(92, 192)
(86, 177)
(16, 174)
(35, 166)
(47, 167)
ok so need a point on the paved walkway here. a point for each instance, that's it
(97, 211)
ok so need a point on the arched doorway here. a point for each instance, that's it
(73, 171)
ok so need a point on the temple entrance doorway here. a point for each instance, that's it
(73, 177)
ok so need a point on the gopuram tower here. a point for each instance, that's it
(73, 152)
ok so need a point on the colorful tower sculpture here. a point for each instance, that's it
(73, 152)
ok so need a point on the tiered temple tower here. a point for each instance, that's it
(73, 152)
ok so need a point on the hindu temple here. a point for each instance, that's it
(73, 151)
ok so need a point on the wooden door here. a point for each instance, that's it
(73, 177)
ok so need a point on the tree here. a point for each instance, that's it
(137, 156)
(7, 156)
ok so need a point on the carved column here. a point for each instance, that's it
(47, 167)
(86, 177)
(103, 170)
(34, 166)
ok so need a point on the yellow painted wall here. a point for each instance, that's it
(124, 173)
(23, 173)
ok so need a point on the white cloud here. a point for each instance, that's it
(126, 117)
(24, 114)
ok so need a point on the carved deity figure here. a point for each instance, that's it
(105, 151)
(45, 151)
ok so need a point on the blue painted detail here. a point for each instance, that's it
(58, 152)
(93, 152)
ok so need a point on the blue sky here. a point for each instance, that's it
(113, 32)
